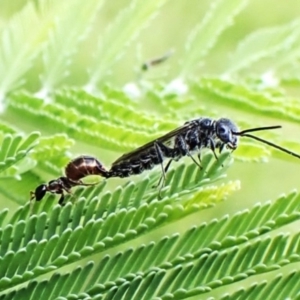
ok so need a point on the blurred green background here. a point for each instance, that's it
(169, 29)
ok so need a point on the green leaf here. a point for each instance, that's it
(204, 36)
(132, 19)
(277, 41)
(71, 33)
(15, 148)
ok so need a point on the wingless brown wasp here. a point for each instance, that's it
(186, 140)
(76, 169)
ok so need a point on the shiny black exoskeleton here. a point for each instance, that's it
(56, 186)
(192, 137)
(186, 140)
(77, 169)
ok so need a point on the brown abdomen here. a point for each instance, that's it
(83, 166)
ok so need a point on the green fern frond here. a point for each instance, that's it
(279, 43)
(176, 250)
(107, 134)
(205, 253)
(131, 19)
(164, 101)
(64, 39)
(23, 156)
(239, 95)
(18, 190)
(58, 285)
(250, 152)
(248, 99)
(52, 153)
(206, 271)
(13, 149)
(76, 125)
(112, 108)
(51, 146)
(7, 128)
(283, 287)
(16, 57)
(219, 16)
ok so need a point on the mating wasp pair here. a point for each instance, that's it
(191, 138)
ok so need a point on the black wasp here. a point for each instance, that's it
(76, 169)
(186, 140)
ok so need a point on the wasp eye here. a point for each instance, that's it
(222, 130)
(223, 133)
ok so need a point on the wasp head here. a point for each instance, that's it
(225, 131)
(39, 192)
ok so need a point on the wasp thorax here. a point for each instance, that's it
(206, 123)
(225, 130)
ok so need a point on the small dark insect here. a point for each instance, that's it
(76, 169)
(56, 186)
(186, 140)
(156, 61)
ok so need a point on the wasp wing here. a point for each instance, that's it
(166, 139)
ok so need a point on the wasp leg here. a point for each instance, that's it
(160, 157)
(221, 148)
(61, 199)
(193, 159)
(161, 177)
(199, 158)
(213, 148)
(162, 151)
(183, 148)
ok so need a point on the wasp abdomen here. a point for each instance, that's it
(134, 167)
(83, 166)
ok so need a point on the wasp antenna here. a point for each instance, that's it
(241, 133)
(272, 145)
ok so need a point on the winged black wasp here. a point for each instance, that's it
(186, 140)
